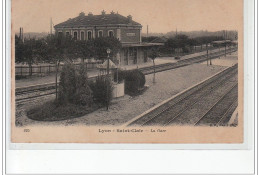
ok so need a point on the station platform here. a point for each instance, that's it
(50, 78)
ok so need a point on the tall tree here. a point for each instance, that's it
(29, 52)
(84, 49)
(171, 44)
(59, 48)
(103, 43)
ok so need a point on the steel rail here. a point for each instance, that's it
(145, 70)
(219, 78)
(222, 97)
(224, 116)
(216, 84)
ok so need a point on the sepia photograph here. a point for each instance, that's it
(127, 71)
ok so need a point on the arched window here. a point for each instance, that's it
(67, 34)
(75, 35)
(110, 33)
(82, 35)
(89, 35)
(100, 33)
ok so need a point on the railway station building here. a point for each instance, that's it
(125, 29)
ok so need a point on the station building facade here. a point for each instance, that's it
(125, 29)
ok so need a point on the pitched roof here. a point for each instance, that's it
(97, 20)
(104, 65)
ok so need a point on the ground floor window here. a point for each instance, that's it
(126, 56)
(145, 56)
(110, 33)
(59, 34)
(133, 54)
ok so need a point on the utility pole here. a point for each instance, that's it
(147, 31)
(207, 54)
(225, 42)
(210, 63)
(20, 35)
(51, 26)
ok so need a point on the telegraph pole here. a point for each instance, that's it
(210, 63)
(207, 54)
(51, 26)
(225, 37)
(147, 31)
(20, 36)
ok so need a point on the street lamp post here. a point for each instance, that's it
(108, 52)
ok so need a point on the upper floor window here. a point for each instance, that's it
(89, 35)
(75, 35)
(110, 33)
(82, 35)
(67, 34)
(100, 33)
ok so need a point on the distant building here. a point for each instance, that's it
(125, 29)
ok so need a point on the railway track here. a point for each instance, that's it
(209, 103)
(35, 91)
(220, 111)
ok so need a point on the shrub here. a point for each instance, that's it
(100, 88)
(134, 80)
(67, 85)
(73, 86)
(83, 94)
(51, 111)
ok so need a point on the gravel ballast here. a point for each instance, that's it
(168, 83)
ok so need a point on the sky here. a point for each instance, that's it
(161, 15)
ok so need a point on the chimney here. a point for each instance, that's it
(129, 17)
(112, 13)
(103, 12)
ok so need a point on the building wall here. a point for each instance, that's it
(130, 35)
(126, 58)
(124, 34)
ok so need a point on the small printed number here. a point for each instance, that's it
(26, 130)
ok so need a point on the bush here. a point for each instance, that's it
(73, 86)
(134, 80)
(100, 87)
(83, 94)
(51, 111)
(67, 85)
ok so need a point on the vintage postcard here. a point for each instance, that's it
(127, 71)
